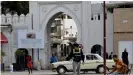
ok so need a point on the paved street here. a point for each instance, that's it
(46, 72)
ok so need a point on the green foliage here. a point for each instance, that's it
(19, 52)
(19, 7)
(3, 53)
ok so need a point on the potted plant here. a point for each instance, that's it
(2, 55)
(19, 52)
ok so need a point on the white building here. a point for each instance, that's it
(70, 27)
(88, 18)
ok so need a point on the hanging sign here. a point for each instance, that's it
(30, 39)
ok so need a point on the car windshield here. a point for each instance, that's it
(98, 56)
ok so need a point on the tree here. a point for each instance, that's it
(19, 7)
(18, 54)
(3, 54)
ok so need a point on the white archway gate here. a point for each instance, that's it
(78, 10)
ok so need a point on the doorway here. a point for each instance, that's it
(61, 30)
(96, 49)
(21, 61)
(129, 46)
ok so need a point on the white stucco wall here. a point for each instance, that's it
(17, 22)
(7, 49)
(96, 31)
(109, 32)
(97, 28)
(72, 9)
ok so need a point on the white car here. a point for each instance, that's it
(92, 62)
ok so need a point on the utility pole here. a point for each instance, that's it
(104, 38)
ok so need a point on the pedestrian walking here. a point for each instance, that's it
(125, 58)
(53, 58)
(29, 63)
(77, 56)
(107, 55)
(119, 67)
(111, 55)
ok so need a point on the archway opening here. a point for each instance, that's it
(61, 31)
(21, 61)
(97, 49)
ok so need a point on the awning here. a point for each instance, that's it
(3, 39)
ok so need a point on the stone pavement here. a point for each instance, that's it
(46, 72)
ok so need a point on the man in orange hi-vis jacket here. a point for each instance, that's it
(119, 67)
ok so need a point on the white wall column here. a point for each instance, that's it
(35, 12)
(9, 48)
(49, 43)
(86, 17)
(44, 57)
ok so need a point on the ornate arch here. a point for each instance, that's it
(60, 8)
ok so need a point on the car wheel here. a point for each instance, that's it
(61, 70)
(100, 69)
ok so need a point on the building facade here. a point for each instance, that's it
(123, 31)
(88, 18)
